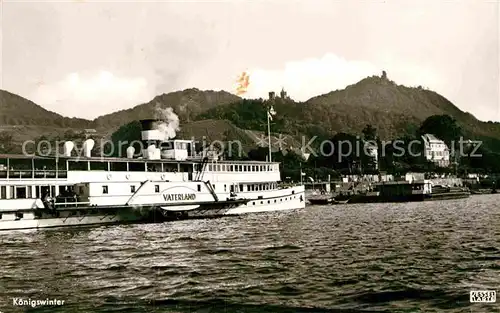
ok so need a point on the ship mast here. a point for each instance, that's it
(270, 112)
(269, 132)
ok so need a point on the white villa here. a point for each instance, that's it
(372, 151)
(436, 150)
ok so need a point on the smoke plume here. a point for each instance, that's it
(169, 122)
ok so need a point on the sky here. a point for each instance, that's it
(89, 58)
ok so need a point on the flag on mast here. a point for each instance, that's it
(271, 112)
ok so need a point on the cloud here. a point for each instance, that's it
(303, 79)
(85, 95)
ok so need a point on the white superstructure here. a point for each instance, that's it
(170, 181)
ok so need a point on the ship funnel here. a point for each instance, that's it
(87, 147)
(130, 152)
(68, 147)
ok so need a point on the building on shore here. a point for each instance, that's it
(372, 151)
(436, 150)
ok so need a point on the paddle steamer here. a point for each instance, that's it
(170, 180)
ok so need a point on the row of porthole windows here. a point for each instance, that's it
(275, 200)
(20, 215)
(233, 188)
(242, 168)
(105, 189)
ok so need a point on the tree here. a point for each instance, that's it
(369, 132)
(6, 143)
(122, 138)
(342, 153)
(443, 127)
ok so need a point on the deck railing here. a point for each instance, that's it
(30, 174)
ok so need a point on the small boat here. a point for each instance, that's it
(321, 200)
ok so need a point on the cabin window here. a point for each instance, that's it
(0, 216)
(21, 192)
(154, 167)
(248, 187)
(22, 164)
(104, 189)
(136, 167)
(118, 166)
(3, 168)
(169, 167)
(78, 165)
(241, 188)
(3, 192)
(98, 166)
(231, 188)
(199, 187)
(30, 192)
(19, 216)
(62, 189)
(12, 192)
(157, 188)
(45, 168)
(231, 168)
(210, 167)
(186, 168)
(132, 189)
(218, 168)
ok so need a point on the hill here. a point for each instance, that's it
(388, 106)
(187, 104)
(16, 110)
(393, 109)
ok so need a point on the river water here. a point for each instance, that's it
(416, 257)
